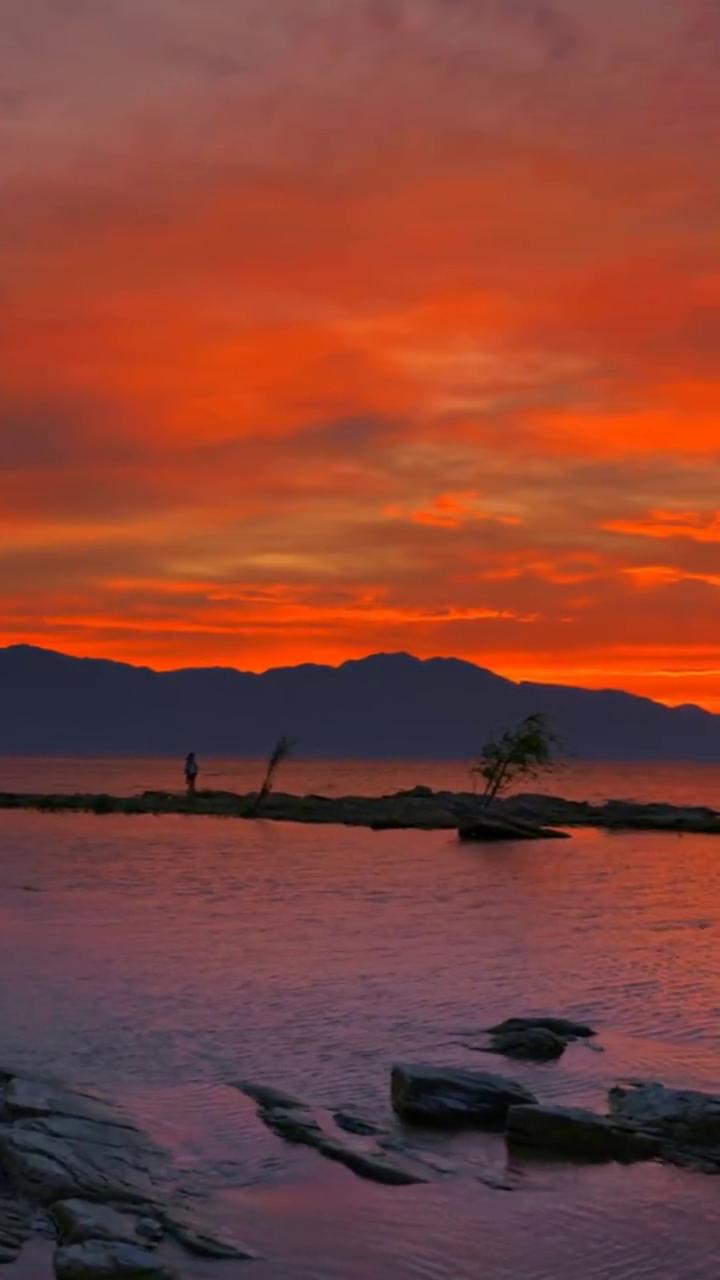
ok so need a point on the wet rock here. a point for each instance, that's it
(564, 1027)
(188, 1232)
(62, 1145)
(79, 1220)
(497, 828)
(574, 1131)
(15, 1228)
(297, 1122)
(687, 1120)
(50, 1168)
(355, 1124)
(454, 1096)
(534, 1043)
(109, 1260)
(25, 1097)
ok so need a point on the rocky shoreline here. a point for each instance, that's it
(74, 1169)
(523, 816)
(78, 1173)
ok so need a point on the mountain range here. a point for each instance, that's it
(383, 706)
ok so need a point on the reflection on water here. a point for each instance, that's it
(163, 958)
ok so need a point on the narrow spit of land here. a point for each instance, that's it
(419, 808)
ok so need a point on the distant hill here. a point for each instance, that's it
(383, 706)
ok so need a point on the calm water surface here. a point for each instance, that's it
(160, 959)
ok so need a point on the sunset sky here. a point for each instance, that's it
(332, 326)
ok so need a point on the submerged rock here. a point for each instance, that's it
(356, 1124)
(534, 1043)
(496, 828)
(537, 1038)
(454, 1096)
(297, 1122)
(109, 1260)
(576, 1132)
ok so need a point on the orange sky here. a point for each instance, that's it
(331, 326)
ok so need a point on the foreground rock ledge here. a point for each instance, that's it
(418, 808)
(74, 1163)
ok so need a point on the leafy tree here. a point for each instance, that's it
(523, 752)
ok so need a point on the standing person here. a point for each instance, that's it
(191, 771)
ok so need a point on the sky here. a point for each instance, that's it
(337, 326)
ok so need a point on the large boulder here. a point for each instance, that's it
(453, 1095)
(576, 1132)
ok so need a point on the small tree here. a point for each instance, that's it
(282, 749)
(523, 752)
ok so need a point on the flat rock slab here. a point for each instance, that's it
(313, 1127)
(49, 1168)
(573, 1131)
(25, 1097)
(105, 1260)
(80, 1220)
(492, 830)
(453, 1096)
(107, 1186)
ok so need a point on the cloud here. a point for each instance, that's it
(329, 327)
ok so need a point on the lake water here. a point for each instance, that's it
(161, 959)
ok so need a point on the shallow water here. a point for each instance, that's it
(161, 959)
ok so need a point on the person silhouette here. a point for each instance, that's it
(191, 771)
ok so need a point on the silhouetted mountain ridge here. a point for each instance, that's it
(384, 706)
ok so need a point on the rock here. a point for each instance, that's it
(36, 1098)
(564, 1027)
(686, 1119)
(574, 1131)
(79, 1220)
(15, 1228)
(50, 1168)
(183, 1225)
(109, 1260)
(65, 1146)
(297, 1122)
(355, 1124)
(493, 829)
(454, 1096)
(534, 1043)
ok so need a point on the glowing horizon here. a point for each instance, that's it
(331, 328)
